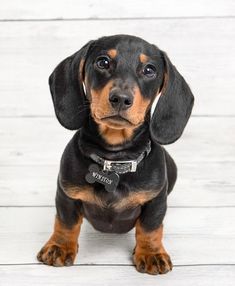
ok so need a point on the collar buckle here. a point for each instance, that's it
(129, 166)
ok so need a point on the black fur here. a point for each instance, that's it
(67, 91)
(157, 172)
(174, 107)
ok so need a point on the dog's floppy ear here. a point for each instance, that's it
(66, 86)
(173, 108)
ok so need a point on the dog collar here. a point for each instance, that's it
(121, 167)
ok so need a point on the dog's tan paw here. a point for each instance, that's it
(159, 263)
(57, 255)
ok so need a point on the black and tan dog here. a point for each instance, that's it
(114, 171)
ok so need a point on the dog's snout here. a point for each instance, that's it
(120, 101)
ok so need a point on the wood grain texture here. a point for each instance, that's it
(199, 226)
(198, 184)
(114, 275)
(48, 9)
(200, 48)
(192, 236)
(41, 141)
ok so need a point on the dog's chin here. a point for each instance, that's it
(115, 122)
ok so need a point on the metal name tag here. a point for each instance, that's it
(109, 180)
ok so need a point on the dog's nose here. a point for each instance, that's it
(120, 101)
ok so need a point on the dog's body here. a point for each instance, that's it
(114, 211)
(122, 76)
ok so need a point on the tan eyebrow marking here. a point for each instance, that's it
(112, 53)
(143, 58)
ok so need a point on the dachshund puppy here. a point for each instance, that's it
(125, 99)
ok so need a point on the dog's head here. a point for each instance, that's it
(118, 80)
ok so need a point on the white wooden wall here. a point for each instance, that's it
(199, 37)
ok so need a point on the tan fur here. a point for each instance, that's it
(80, 72)
(115, 136)
(149, 242)
(139, 108)
(165, 83)
(135, 199)
(150, 256)
(87, 194)
(101, 108)
(112, 53)
(62, 247)
(143, 58)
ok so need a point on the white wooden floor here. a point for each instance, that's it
(199, 37)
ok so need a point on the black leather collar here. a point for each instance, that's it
(121, 167)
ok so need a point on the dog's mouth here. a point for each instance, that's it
(118, 119)
(115, 121)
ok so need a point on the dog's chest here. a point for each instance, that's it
(115, 212)
(110, 220)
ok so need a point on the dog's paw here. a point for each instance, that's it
(57, 255)
(159, 263)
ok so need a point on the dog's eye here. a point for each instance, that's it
(103, 63)
(149, 71)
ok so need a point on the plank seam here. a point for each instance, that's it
(169, 206)
(122, 264)
(52, 116)
(118, 19)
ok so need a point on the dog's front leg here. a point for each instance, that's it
(62, 247)
(149, 254)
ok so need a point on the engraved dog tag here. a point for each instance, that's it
(109, 180)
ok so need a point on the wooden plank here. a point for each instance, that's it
(204, 184)
(24, 9)
(30, 50)
(192, 236)
(33, 141)
(208, 184)
(41, 141)
(79, 9)
(23, 275)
